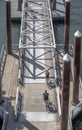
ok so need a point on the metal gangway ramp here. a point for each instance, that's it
(37, 50)
(37, 41)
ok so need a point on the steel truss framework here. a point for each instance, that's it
(37, 41)
(37, 28)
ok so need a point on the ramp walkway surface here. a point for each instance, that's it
(36, 41)
(36, 47)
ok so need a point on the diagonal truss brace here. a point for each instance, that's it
(36, 25)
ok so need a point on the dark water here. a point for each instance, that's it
(77, 124)
(75, 24)
(1, 123)
(2, 24)
(15, 27)
(15, 32)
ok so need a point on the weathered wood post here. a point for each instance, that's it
(67, 23)
(54, 4)
(76, 64)
(19, 5)
(0, 83)
(8, 24)
(65, 92)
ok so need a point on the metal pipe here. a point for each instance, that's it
(19, 75)
(58, 99)
(65, 92)
(32, 47)
(52, 28)
(17, 102)
(54, 47)
(8, 24)
(0, 83)
(76, 66)
(66, 28)
(20, 62)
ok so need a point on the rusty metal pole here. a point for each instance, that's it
(65, 92)
(19, 5)
(54, 4)
(67, 23)
(0, 83)
(8, 24)
(76, 64)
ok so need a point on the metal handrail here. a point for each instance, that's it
(4, 115)
(3, 56)
(2, 51)
(70, 122)
(80, 83)
(2, 112)
(54, 61)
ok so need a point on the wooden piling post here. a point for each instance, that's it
(8, 24)
(76, 64)
(65, 92)
(54, 4)
(67, 23)
(19, 5)
(0, 83)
